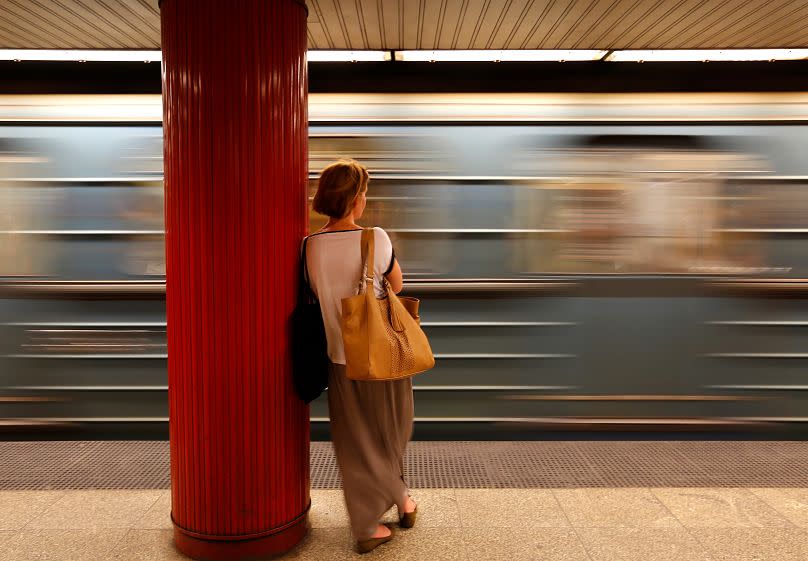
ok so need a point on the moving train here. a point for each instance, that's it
(587, 262)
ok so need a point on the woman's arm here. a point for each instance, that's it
(395, 277)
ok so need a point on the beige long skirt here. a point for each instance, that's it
(371, 423)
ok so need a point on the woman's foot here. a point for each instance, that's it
(380, 536)
(382, 531)
(409, 506)
(407, 514)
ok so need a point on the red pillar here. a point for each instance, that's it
(235, 127)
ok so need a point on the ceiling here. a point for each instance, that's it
(441, 24)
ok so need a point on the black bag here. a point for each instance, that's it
(309, 344)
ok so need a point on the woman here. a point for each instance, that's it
(371, 422)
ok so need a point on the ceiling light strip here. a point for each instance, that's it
(348, 56)
(548, 55)
(94, 55)
(88, 55)
(690, 55)
(495, 56)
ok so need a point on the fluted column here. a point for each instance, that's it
(235, 157)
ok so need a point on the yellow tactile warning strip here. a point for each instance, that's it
(487, 465)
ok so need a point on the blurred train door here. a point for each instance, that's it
(22, 202)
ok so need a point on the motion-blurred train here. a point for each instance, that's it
(587, 262)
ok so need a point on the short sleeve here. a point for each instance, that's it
(383, 253)
(392, 262)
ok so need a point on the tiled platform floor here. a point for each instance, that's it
(693, 519)
(596, 524)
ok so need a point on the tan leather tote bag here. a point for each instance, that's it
(382, 336)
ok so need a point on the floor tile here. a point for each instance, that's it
(328, 509)
(614, 507)
(158, 516)
(754, 544)
(719, 508)
(96, 509)
(415, 544)
(436, 508)
(427, 544)
(60, 545)
(642, 544)
(508, 544)
(18, 508)
(509, 508)
(792, 503)
(147, 545)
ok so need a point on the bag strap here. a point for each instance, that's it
(304, 292)
(368, 265)
(368, 272)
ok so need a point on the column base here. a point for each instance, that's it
(241, 548)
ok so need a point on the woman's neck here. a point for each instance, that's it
(341, 224)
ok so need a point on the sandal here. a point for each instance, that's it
(407, 520)
(364, 546)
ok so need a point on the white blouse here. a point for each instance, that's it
(334, 263)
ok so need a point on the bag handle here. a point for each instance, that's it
(368, 272)
(305, 294)
(367, 260)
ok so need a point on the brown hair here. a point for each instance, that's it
(338, 186)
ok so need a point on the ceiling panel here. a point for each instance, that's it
(389, 19)
(755, 17)
(317, 37)
(569, 25)
(530, 16)
(662, 15)
(441, 24)
(434, 12)
(471, 19)
(507, 20)
(491, 18)
(446, 26)
(631, 17)
(369, 16)
(35, 16)
(691, 19)
(782, 26)
(326, 13)
(546, 24)
(22, 27)
(352, 22)
(406, 24)
(596, 21)
(110, 20)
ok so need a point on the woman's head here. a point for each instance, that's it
(341, 190)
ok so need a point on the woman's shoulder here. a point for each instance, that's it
(323, 234)
(380, 232)
(381, 236)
